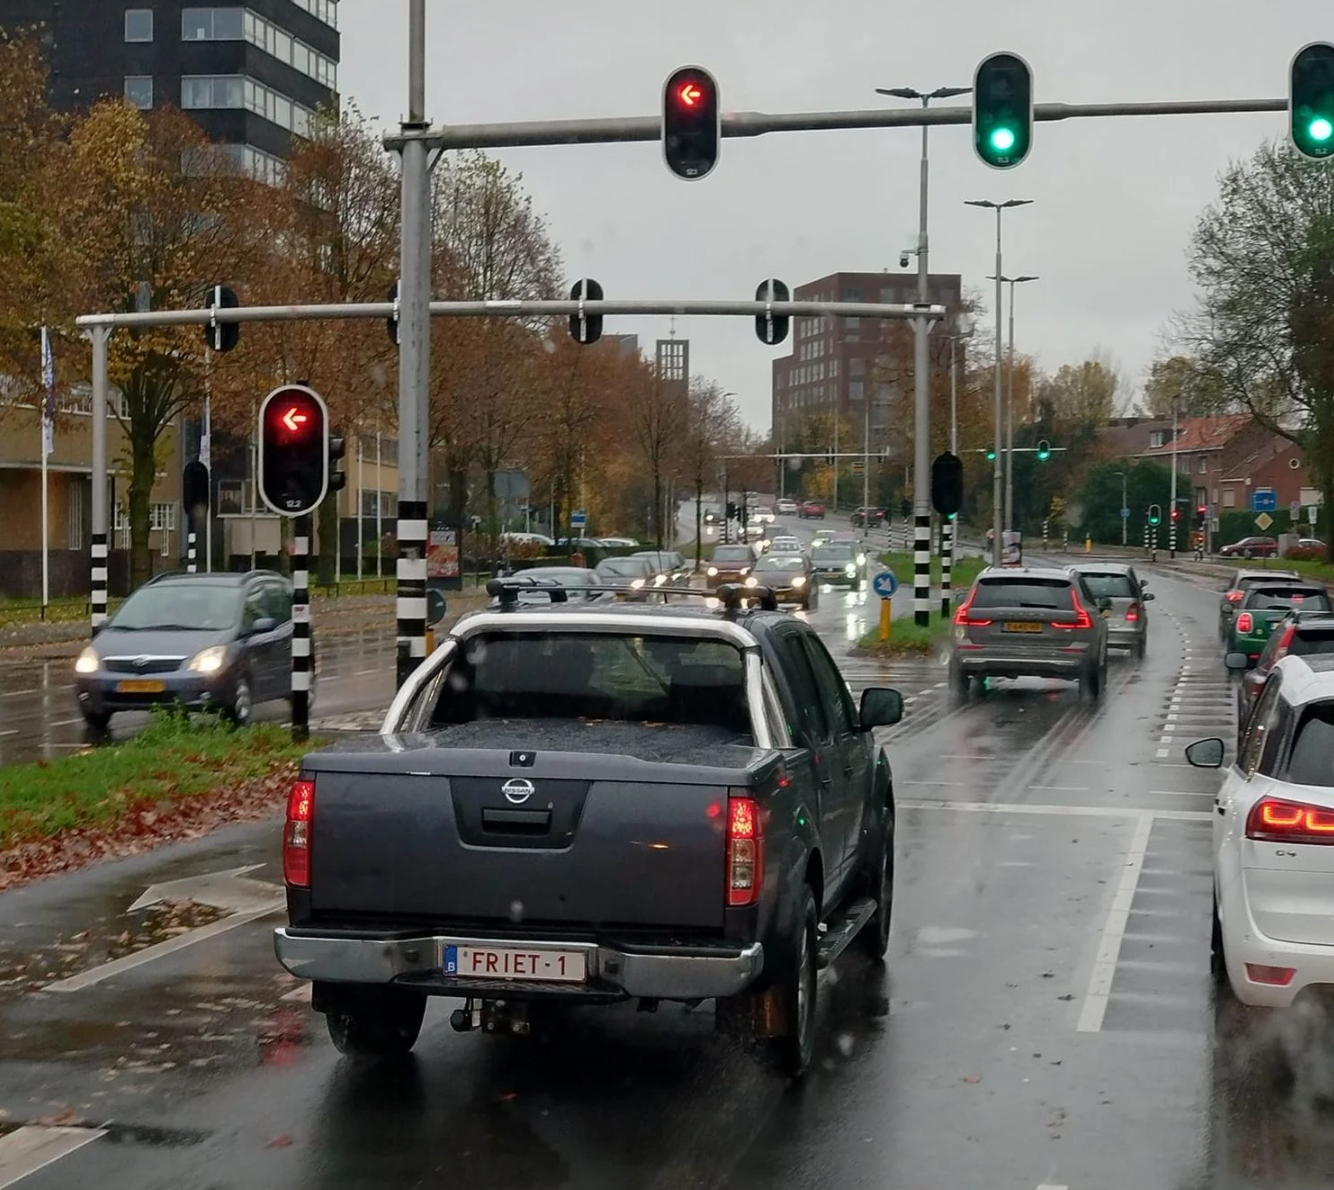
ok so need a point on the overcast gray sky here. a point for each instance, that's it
(1115, 199)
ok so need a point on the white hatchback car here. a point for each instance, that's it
(1273, 839)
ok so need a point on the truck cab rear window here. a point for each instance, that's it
(591, 676)
(1051, 593)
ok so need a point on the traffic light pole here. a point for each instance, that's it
(922, 413)
(301, 652)
(1172, 510)
(101, 337)
(414, 359)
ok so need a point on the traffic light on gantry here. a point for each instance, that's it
(1003, 110)
(1311, 100)
(1044, 450)
(294, 450)
(991, 454)
(691, 123)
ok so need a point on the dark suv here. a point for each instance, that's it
(1299, 634)
(203, 641)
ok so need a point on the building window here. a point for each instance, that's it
(200, 91)
(1204, 464)
(139, 90)
(853, 295)
(857, 366)
(1229, 498)
(287, 49)
(211, 24)
(322, 10)
(856, 390)
(1158, 438)
(162, 516)
(138, 24)
(852, 328)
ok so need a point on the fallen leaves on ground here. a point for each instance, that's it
(145, 826)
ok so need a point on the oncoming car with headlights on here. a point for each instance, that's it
(788, 576)
(729, 564)
(203, 641)
(840, 563)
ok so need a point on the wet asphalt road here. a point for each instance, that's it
(1046, 1017)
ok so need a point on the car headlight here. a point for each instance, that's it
(851, 568)
(799, 581)
(636, 584)
(713, 572)
(89, 662)
(752, 581)
(745, 570)
(210, 660)
(861, 559)
(657, 582)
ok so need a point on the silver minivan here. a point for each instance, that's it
(1030, 622)
(1128, 617)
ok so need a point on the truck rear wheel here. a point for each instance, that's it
(873, 937)
(798, 988)
(376, 1023)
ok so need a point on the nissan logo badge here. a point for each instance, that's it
(518, 790)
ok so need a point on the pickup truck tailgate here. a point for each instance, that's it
(592, 836)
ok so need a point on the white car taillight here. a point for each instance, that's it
(296, 834)
(745, 852)
(1276, 820)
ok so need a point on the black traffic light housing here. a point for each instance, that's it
(222, 336)
(1044, 450)
(337, 480)
(691, 123)
(586, 328)
(392, 321)
(1311, 100)
(294, 450)
(947, 484)
(194, 485)
(1155, 514)
(1003, 110)
(772, 328)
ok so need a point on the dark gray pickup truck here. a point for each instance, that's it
(597, 804)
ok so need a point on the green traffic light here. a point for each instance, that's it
(1311, 100)
(1320, 129)
(1002, 140)
(991, 453)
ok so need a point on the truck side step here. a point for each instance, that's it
(841, 930)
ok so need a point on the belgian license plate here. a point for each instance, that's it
(1022, 626)
(140, 686)
(506, 962)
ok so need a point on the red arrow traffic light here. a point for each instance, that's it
(690, 94)
(294, 419)
(691, 122)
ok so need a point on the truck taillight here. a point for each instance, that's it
(1274, 820)
(296, 834)
(745, 852)
(1245, 623)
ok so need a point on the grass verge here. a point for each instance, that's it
(962, 572)
(174, 757)
(906, 638)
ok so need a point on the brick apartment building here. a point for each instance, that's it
(839, 364)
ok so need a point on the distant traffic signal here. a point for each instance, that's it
(294, 450)
(1044, 450)
(1003, 110)
(1155, 514)
(1176, 515)
(1311, 100)
(337, 449)
(225, 335)
(947, 484)
(586, 328)
(194, 485)
(691, 123)
(772, 328)
(991, 454)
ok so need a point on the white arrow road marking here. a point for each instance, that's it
(222, 890)
(30, 1148)
(245, 899)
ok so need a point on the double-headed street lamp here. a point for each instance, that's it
(921, 380)
(997, 494)
(1009, 405)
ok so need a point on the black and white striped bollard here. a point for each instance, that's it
(922, 570)
(411, 587)
(946, 565)
(99, 592)
(301, 652)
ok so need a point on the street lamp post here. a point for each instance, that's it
(997, 494)
(1172, 515)
(1009, 407)
(963, 330)
(1124, 519)
(921, 385)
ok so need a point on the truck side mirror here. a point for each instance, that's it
(881, 707)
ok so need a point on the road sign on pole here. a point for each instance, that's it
(885, 584)
(578, 519)
(1311, 513)
(1264, 500)
(1125, 514)
(1263, 521)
